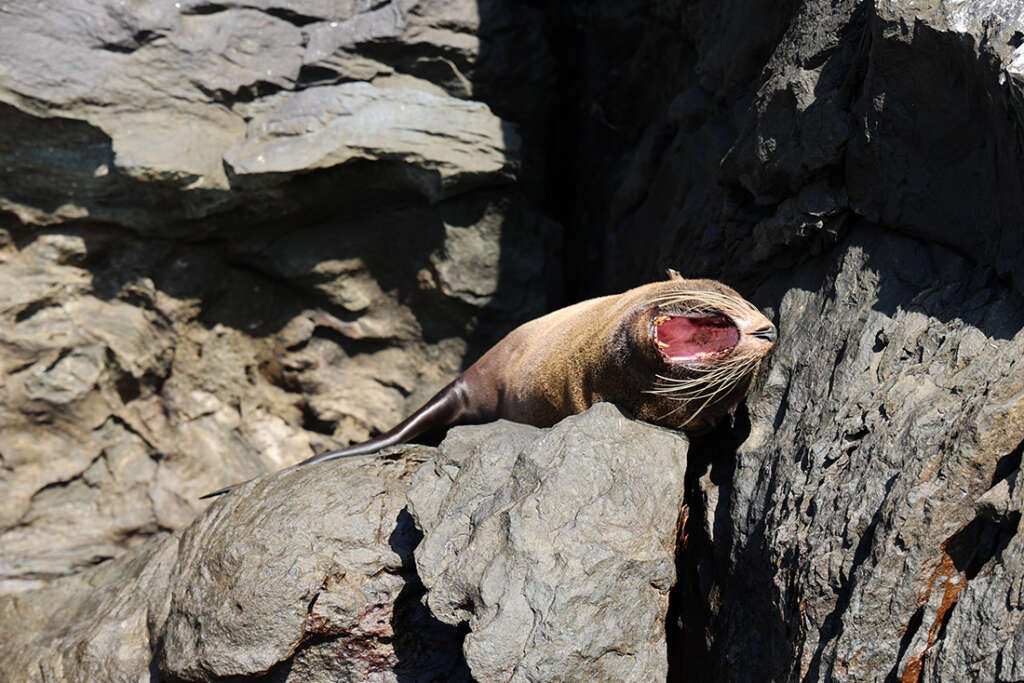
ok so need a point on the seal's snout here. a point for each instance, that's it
(769, 334)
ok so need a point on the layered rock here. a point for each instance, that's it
(856, 169)
(233, 236)
(158, 116)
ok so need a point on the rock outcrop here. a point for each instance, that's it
(547, 543)
(235, 234)
(285, 577)
(855, 168)
(308, 575)
(232, 236)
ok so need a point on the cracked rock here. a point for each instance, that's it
(449, 144)
(557, 546)
(218, 256)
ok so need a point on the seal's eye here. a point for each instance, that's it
(682, 339)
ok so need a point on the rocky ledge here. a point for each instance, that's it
(555, 546)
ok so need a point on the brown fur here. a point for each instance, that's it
(599, 350)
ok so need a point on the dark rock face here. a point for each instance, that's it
(875, 528)
(232, 235)
(864, 182)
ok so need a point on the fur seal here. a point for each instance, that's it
(678, 353)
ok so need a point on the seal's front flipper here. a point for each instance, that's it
(222, 491)
(444, 409)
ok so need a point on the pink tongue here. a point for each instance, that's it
(691, 338)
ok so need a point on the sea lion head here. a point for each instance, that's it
(703, 344)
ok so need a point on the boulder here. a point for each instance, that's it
(562, 569)
(306, 575)
(556, 546)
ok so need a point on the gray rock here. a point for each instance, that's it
(449, 145)
(562, 566)
(96, 625)
(306, 575)
(557, 546)
(858, 482)
(310, 556)
(982, 625)
(152, 123)
(856, 169)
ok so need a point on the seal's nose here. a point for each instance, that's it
(767, 333)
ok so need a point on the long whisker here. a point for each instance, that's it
(709, 391)
(705, 387)
(715, 375)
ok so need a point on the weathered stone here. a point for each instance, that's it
(855, 168)
(557, 546)
(866, 454)
(312, 555)
(449, 145)
(139, 115)
(309, 574)
(98, 625)
(306, 574)
(345, 255)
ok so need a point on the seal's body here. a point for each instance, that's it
(678, 353)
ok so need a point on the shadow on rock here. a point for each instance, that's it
(426, 648)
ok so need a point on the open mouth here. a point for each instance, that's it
(681, 340)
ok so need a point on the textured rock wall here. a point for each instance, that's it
(249, 591)
(234, 234)
(571, 536)
(309, 575)
(856, 168)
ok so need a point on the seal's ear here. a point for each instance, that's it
(673, 274)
